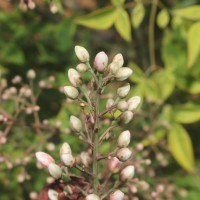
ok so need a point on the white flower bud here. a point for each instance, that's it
(124, 154)
(119, 60)
(82, 54)
(52, 194)
(124, 139)
(31, 74)
(117, 195)
(92, 197)
(81, 67)
(85, 158)
(54, 170)
(133, 103)
(65, 149)
(127, 173)
(114, 164)
(75, 124)
(122, 105)
(123, 73)
(74, 77)
(113, 67)
(101, 61)
(109, 103)
(123, 91)
(126, 117)
(71, 92)
(68, 159)
(44, 159)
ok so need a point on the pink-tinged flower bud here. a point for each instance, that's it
(119, 60)
(52, 194)
(126, 117)
(117, 195)
(113, 67)
(127, 173)
(101, 61)
(68, 160)
(109, 103)
(54, 170)
(81, 67)
(82, 54)
(92, 197)
(124, 154)
(133, 103)
(74, 77)
(123, 91)
(114, 164)
(123, 73)
(65, 149)
(75, 124)
(122, 105)
(71, 92)
(124, 139)
(31, 74)
(44, 159)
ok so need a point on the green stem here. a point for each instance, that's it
(92, 71)
(86, 96)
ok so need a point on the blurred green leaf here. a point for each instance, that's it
(137, 15)
(137, 75)
(163, 18)
(193, 41)
(123, 24)
(101, 19)
(117, 2)
(151, 90)
(180, 146)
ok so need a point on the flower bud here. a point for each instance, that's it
(92, 197)
(109, 103)
(82, 54)
(71, 92)
(133, 103)
(67, 159)
(113, 67)
(52, 194)
(126, 117)
(119, 60)
(85, 158)
(101, 61)
(123, 73)
(124, 154)
(122, 105)
(75, 124)
(114, 164)
(81, 67)
(54, 170)
(44, 159)
(117, 195)
(127, 173)
(31, 74)
(65, 149)
(74, 77)
(123, 91)
(124, 139)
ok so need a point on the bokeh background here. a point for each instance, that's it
(160, 41)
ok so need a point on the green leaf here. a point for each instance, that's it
(193, 42)
(191, 13)
(187, 113)
(163, 18)
(101, 19)
(123, 25)
(117, 2)
(137, 15)
(151, 90)
(180, 146)
(137, 75)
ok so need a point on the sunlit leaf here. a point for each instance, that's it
(137, 73)
(163, 18)
(152, 91)
(180, 146)
(137, 15)
(117, 2)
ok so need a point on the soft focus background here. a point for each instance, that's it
(160, 41)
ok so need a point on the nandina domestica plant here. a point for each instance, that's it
(109, 176)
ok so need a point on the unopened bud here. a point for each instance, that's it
(124, 139)
(114, 164)
(85, 158)
(74, 77)
(31, 74)
(133, 103)
(68, 160)
(126, 117)
(92, 197)
(65, 149)
(127, 173)
(54, 170)
(71, 92)
(81, 67)
(44, 159)
(109, 103)
(117, 195)
(113, 67)
(119, 60)
(31, 4)
(82, 54)
(123, 91)
(52, 194)
(101, 61)
(123, 73)
(76, 124)
(122, 105)
(124, 154)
